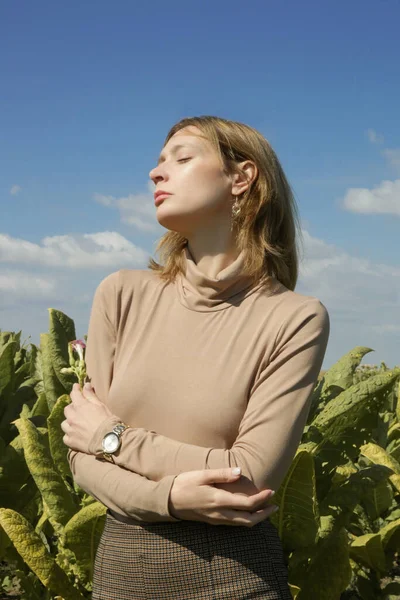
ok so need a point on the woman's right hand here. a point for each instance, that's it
(194, 497)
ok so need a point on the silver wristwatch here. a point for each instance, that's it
(112, 441)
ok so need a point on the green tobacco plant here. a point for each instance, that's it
(49, 527)
(348, 492)
(17, 381)
(339, 517)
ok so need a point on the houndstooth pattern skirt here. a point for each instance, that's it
(189, 560)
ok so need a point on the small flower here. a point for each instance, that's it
(77, 366)
(79, 346)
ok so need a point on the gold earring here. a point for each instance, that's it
(235, 207)
(235, 211)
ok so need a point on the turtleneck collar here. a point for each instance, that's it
(201, 293)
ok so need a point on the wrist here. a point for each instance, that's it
(173, 511)
(95, 444)
(111, 442)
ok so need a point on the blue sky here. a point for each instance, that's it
(90, 89)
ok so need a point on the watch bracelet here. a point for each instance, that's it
(118, 430)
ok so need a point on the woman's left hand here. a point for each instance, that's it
(83, 416)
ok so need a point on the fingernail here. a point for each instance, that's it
(272, 493)
(236, 471)
(87, 386)
(275, 508)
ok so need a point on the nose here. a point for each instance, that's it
(155, 174)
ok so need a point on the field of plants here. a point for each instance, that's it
(339, 517)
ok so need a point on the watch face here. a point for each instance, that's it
(110, 443)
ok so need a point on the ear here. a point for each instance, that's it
(244, 177)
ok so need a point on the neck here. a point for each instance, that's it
(201, 292)
(212, 261)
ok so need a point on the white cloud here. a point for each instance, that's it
(15, 189)
(362, 298)
(25, 285)
(374, 137)
(107, 249)
(344, 274)
(136, 210)
(104, 200)
(25, 298)
(384, 198)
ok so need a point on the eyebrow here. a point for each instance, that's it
(173, 151)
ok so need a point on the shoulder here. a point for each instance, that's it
(304, 305)
(123, 279)
(288, 302)
(295, 311)
(120, 284)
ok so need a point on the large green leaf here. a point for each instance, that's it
(61, 331)
(37, 369)
(337, 379)
(33, 354)
(33, 551)
(82, 535)
(342, 414)
(343, 497)
(378, 456)
(19, 358)
(25, 394)
(368, 549)
(393, 450)
(359, 522)
(40, 408)
(343, 472)
(393, 432)
(341, 373)
(378, 499)
(14, 475)
(55, 494)
(7, 374)
(53, 388)
(32, 506)
(5, 338)
(329, 573)
(390, 534)
(21, 374)
(297, 520)
(58, 449)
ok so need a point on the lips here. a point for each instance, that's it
(159, 197)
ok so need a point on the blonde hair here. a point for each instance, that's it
(268, 221)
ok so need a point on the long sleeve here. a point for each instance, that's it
(124, 492)
(272, 425)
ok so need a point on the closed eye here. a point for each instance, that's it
(184, 159)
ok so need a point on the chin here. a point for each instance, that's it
(177, 223)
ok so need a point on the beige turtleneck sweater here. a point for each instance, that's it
(208, 372)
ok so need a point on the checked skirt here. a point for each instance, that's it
(189, 560)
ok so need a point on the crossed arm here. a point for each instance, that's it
(139, 482)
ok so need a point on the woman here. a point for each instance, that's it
(203, 363)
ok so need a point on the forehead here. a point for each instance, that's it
(182, 139)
